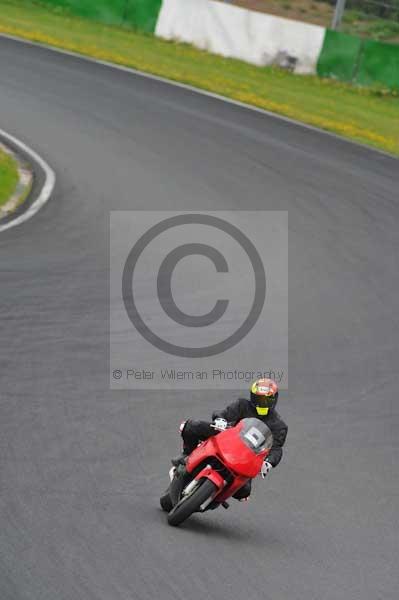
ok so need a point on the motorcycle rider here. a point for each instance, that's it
(262, 405)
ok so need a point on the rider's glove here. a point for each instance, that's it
(219, 424)
(266, 468)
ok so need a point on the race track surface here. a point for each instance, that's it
(81, 466)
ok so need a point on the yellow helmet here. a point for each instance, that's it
(264, 395)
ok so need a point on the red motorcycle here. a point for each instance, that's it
(216, 470)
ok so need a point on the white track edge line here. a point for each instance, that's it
(45, 192)
(197, 90)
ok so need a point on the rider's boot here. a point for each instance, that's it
(242, 495)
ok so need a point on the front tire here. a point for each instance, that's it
(187, 506)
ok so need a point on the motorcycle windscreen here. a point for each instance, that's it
(243, 447)
(256, 435)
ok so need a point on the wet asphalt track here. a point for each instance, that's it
(82, 467)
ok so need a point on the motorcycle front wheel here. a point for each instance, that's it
(192, 503)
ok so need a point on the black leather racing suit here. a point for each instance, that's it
(197, 431)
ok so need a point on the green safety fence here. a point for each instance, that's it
(339, 55)
(379, 63)
(366, 62)
(140, 14)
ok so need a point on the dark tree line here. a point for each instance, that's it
(385, 9)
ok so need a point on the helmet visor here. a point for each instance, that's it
(265, 401)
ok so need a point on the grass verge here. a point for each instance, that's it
(364, 115)
(8, 177)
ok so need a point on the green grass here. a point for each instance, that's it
(364, 115)
(8, 177)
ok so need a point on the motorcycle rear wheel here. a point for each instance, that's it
(166, 502)
(187, 506)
